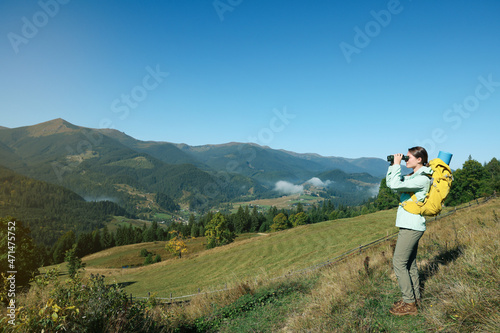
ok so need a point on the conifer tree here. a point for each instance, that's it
(107, 238)
(386, 198)
(64, 244)
(74, 262)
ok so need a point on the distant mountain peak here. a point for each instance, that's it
(50, 127)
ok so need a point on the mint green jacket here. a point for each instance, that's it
(417, 183)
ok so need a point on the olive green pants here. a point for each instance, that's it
(405, 263)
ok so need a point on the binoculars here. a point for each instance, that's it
(390, 158)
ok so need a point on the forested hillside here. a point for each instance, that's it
(50, 210)
(92, 164)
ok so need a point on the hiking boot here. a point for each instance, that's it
(404, 309)
(397, 304)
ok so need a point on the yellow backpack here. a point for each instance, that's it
(440, 187)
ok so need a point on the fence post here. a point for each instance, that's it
(171, 299)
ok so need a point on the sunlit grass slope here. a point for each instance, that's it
(271, 256)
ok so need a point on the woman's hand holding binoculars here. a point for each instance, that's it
(397, 158)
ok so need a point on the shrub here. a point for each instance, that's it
(82, 306)
(149, 259)
(144, 253)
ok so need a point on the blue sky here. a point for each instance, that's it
(337, 78)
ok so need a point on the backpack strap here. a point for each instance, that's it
(413, 198)
(413, 205)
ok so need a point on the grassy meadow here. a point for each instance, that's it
(250, 257)
(283, 202)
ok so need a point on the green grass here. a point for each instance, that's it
(163, 216)
(262, 310)
(272, 255)
(139, 162)
(125, 222)
(128, 255)
(285, 201)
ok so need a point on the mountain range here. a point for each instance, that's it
(107, 163)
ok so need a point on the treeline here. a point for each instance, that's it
(246, 219)
(251, 219)
(100, 239)
(470, 182)
(473, 181)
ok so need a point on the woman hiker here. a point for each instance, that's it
(411, 226)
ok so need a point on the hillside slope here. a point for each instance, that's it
(273, 255)
(459, 278)
(50, 210)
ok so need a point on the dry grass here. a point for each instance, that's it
(459, 264)
(466, 294)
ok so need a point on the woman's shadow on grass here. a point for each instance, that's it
(443, 258)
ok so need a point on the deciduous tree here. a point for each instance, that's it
(176, 244)
(280, 222)
(217, 232)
